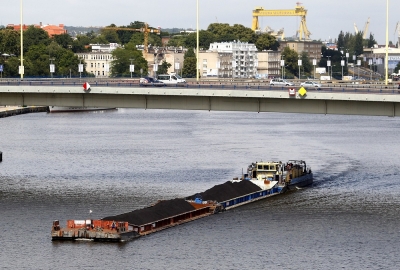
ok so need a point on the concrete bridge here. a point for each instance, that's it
(346, 100)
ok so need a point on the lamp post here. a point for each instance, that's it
(177, 65)
(21, 67)
(347, 57)
(282, 67)
(354, 64)
(314, 62)
(358, 68)
(328, 63)
(387, 43)
(342, 64)
(131, 67)
(299, 64)
(370, 67)
(197, 41)
(80, 68)
(52, 67)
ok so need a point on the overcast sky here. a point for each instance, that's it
(325, 19)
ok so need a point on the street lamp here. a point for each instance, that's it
(282, 67)
(387, 43)
(21, 67)
(197, 41)
(52, 67)
(80, 67)
(354, 64)
(328, 64)
(299, 64)
(176, 65)
(358, 69)
(342, 64)
(131, 67)
(314, 62)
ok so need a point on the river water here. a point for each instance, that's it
(62, 165)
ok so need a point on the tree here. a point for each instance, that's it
(340, 41)
(120, 64)
(64, 40)
(9, 42)
(371, 41)
(189, 67)
(358, 45)
(35, 36)
(306, 64)
(163, 68)
(266, 42)
(291, 61)
(109, 35)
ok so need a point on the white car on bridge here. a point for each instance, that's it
(308, 84)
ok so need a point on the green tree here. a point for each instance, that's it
(266, 42)
(358, 45)
(109, 35)
(120, 64)
(291, 61)
(189, 67)
(35, 36)
(306, 66)
(371, 41)
(9, 42)
(64, 40)
(340, 41)
(163, 68)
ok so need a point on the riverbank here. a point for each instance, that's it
(16, 110)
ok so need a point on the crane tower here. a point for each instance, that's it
(298, 11)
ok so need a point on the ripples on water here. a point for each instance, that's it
(58, 166)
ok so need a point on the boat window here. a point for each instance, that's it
(259, 167)
(272, 168)
(266, 167)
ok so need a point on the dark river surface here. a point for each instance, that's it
(62, 165)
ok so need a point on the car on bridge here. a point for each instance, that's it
(150, 81)
(309, 84)
(278, 81)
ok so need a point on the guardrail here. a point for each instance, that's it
(358, 88)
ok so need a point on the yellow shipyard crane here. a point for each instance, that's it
(145, 30)
(298, 11)
(365, 28)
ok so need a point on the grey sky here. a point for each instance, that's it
(324, 19)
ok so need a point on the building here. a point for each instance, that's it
(312, 48)
(49, 28)
(229, 60)
(97, 63)
(269, 64)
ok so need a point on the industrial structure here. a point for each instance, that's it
(365, 29)
(298, 11)
(145, 30)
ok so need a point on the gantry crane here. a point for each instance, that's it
(365, 29)
(145, 30)
(298, 11)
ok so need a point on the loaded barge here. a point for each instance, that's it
(262, 180)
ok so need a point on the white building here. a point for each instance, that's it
(98, 61)
(229, 60)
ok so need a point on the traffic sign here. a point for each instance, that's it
(86, 86)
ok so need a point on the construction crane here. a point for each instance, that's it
(365, 29)
(145, 30)
(298, 11)
(397, 29)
